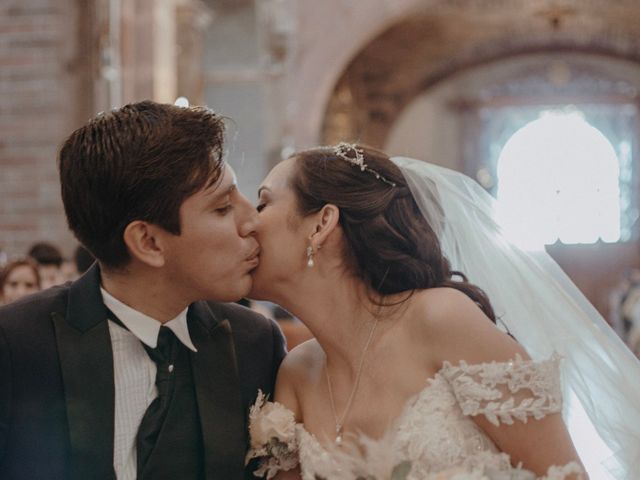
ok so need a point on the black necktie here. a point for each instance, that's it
(182, 431)
(164, 356)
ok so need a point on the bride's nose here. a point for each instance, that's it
(247, 217)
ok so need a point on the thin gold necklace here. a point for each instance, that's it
(340, 421)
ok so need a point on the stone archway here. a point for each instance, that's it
(433, 41)
(329, 34)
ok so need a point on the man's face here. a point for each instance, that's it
(216, 251)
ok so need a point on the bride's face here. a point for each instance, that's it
(282, 236)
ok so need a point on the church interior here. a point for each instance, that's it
(539, 101)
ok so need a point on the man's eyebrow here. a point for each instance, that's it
(218, 195)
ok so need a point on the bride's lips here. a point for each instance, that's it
(254, 257)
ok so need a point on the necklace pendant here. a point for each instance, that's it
(338, 435)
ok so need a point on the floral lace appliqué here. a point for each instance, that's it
(272, 430)
(503, 391)
(433, 439)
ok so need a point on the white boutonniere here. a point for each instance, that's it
(272, 431)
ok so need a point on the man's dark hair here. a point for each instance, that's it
(45, 253)
(139, 162)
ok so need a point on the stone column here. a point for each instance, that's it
(276, 33)
(193, 18)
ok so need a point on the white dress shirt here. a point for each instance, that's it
(134, 375)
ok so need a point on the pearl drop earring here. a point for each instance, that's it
(310, 262)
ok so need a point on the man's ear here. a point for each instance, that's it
(326, 222)
(144, 243)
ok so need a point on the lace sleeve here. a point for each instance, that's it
(503, 391)
(273, 437)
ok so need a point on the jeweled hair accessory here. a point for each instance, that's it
(343, 149)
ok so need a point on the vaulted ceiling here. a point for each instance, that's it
(451, 35)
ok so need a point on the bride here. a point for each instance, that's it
(410, 359)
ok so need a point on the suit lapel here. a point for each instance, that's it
(215, 373)
(86, 361)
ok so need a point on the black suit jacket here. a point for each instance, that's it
(57, 388)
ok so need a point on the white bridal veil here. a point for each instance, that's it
(542, 308)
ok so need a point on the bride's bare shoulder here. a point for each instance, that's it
(434, 308)
(455, 327)
(294, 373)
(303, 357)
(300, 362)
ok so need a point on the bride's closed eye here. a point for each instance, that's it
(263, 198)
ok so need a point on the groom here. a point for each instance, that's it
(126, 373)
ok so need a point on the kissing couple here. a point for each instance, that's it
(440, 349)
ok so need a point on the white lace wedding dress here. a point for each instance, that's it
(435, 433)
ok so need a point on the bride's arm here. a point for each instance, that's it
(459, 331)
(286, 382)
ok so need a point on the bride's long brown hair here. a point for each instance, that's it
(389, 244)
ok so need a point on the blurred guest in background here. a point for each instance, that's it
(18, 279)
(83, 259)
(49, 260)
(68, 271)
(72, 268)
